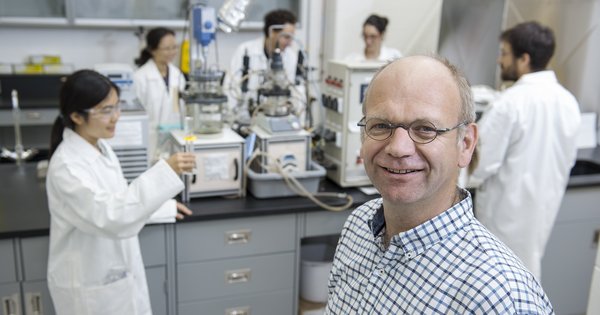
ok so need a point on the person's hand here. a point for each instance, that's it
(182, 162)
(182, 211)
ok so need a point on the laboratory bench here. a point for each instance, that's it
(243, 255)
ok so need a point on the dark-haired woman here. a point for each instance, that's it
(94, 264)
(372, 33)
(157, 84)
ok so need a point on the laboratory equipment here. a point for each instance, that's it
(231, 14)
(343, 90)
(282, 164)
(130, 142)
(38, 98)
(121, 75)
(219, 163)
(278, 131)
(20, 154)
(204, 98)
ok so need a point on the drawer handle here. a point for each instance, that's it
(237, 276)
(238, 311)
(238, 237)
(36, 303)
(9, 305)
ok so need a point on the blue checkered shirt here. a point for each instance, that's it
(448, 265)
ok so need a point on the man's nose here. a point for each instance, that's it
(400, 144)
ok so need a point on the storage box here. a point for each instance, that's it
(316, 262)
(270, 185)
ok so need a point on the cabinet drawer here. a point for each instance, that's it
(153, 245)
(222, 278)
(156, 278)
(580, 204)
(36, 298)
(8, 273)
(35, 257)
(325, 222)
(206, 240)
(274, 303)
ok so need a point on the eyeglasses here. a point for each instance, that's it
(420, 131)
(106, 111)
(371, 37)
(169, 48)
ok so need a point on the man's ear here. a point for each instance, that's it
(467, 145)
(524, 64)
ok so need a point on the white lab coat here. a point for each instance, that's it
(161, 104)
(94, 264)
(527, 148)
(385, 54)
(258, 62)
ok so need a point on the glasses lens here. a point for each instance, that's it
(110, 110)
(422, 131)
(378, 129)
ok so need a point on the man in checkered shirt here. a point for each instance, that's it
(418, 249)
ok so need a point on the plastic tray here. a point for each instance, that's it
(271, 185)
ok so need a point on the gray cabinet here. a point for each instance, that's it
(237, 266)
(10, 297)
(324, 223)
(10, 292)
(568, 262)
(35, 298)
(154, 248)
(34, 258)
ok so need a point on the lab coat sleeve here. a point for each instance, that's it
(140, 87)
(165, 214)
(92, 209)
(496, 129)
(233, 77)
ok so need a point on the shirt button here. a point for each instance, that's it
(410, 255)
(382, 271)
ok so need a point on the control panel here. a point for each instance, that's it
(343, 91)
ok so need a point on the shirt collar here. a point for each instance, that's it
(547, 76)
(422, 237)
(85, 149)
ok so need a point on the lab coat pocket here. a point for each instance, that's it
(117, 297)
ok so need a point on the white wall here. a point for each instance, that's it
(413, 25)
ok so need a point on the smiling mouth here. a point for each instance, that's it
(403, 171)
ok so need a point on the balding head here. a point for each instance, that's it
(425, 75)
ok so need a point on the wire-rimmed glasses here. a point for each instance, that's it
(420, 131)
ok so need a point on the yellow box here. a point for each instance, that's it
(28, 69)
(44, 59)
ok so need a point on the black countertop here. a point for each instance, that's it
(24, 206)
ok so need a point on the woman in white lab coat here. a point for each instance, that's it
(94, 264)
(157, 85)
(373, 33)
